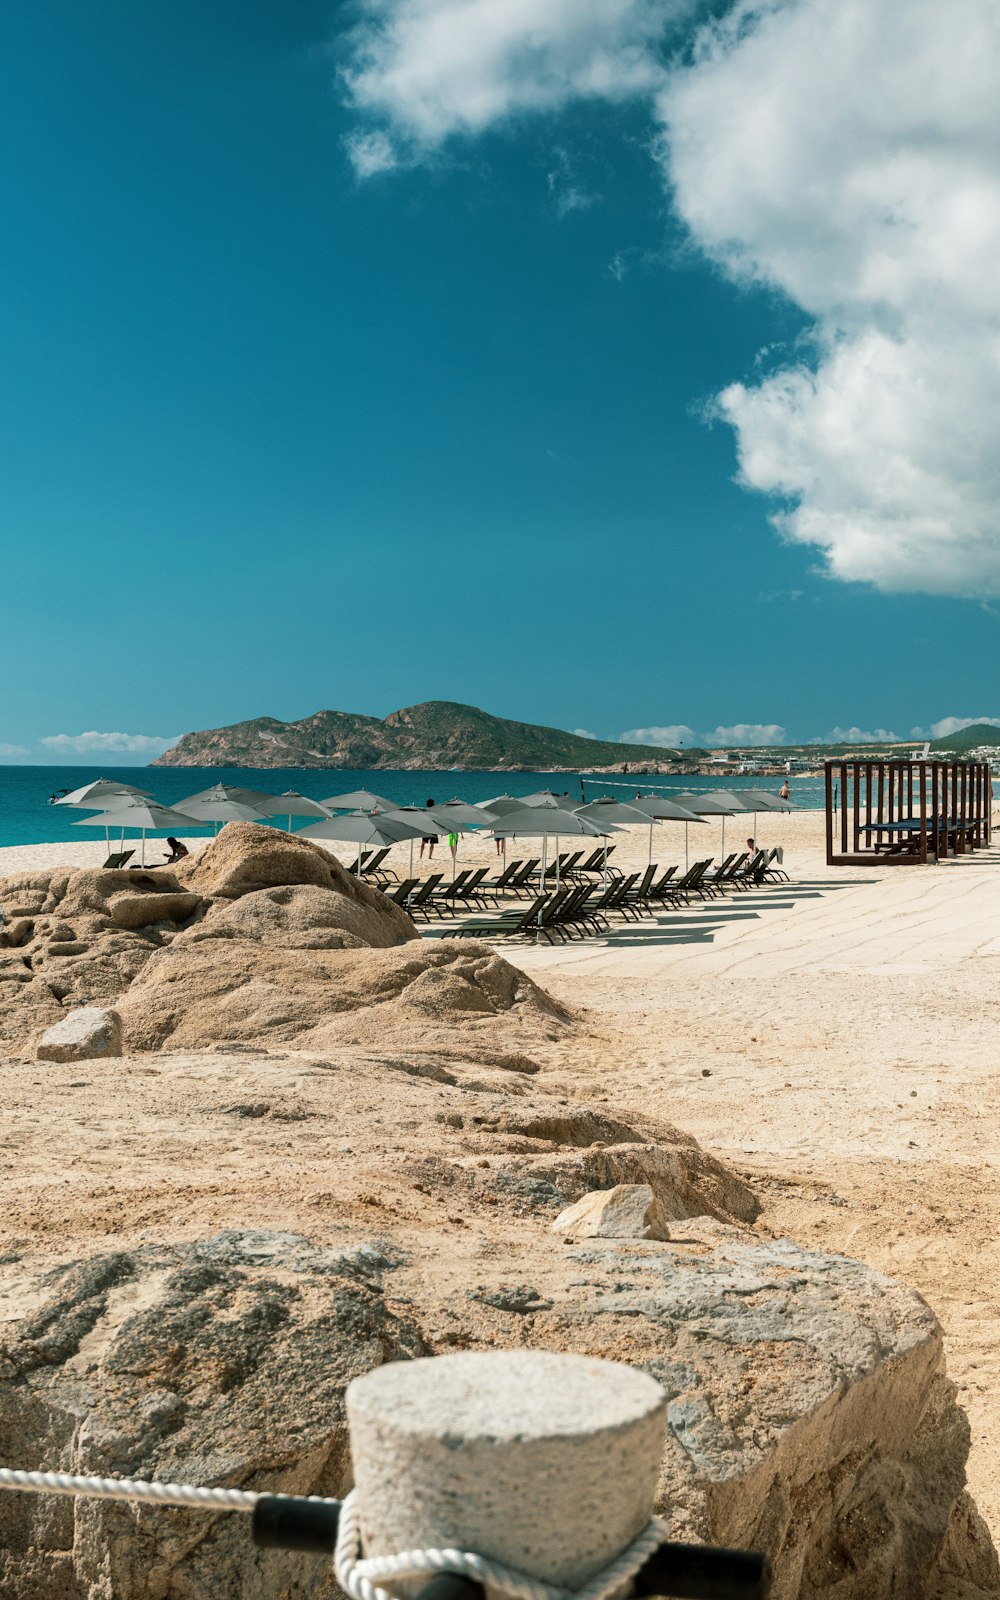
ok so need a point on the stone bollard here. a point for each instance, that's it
(545, 1462)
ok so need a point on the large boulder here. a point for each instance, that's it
(203, 988)
(219, 1362)
(809, 1414)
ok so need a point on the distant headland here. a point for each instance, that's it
(441, 735)
(438, 735)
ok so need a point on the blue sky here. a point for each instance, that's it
(281, 432)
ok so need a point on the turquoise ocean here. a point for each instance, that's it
(28, 817)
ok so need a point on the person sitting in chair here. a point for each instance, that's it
(177, 852)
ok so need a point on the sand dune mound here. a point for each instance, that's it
(261, 938)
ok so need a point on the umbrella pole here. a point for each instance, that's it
(357, 864)
(557, 861)
(142, 855)
(723, 839)
(605, 874)
(410, 873)
(289, 822)
(649, 858)
(545, 857)
(685, 847)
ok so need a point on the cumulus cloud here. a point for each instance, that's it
(421, 71)
(677, 733)
(105, 743)
(949, 725)
(584, 733)
(856, 735)
(747, 733)
(844, 152)
(9, 751)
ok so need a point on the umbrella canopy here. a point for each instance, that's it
(500, 804)
(357, 800)
(763, 800)
(539, 821)
(221, 810)
(662, 810)
(145, 816)
(548, 797)
(225, 791)
(545, 822)
(620, 811)
(703, 805)
(292, 804)
(428, 823)
(360, 829)
(735, 801)
(95, 794)
(709, 805)
(466, 816)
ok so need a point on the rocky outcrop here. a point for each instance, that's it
(218, 1362)
(261, 938)
(808, 1409)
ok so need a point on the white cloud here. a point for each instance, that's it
(949, 725)
(371, 153)
(845, 153)
(669, 738)
(856, 735)
(102, 743)
(423, 70)
(747, 733)
(8, 751)
(840, 151)
(584, 733)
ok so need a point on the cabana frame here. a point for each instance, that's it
(905, 813)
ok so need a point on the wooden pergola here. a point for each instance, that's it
(905, 812)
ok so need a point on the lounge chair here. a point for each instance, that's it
(772, 871)
(680, 893)
(596, 864)
(417, 903)
(751, 875)
(114, 862)
(522, 879)
(401, 893)
(511, 922)
(499, 884)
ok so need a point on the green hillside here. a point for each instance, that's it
(969, 738)
(436, 735)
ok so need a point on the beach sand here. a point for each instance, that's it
(832, 1039)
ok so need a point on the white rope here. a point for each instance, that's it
(165, 1494)
(359, 1578)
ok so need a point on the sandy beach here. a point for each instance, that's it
(831, 1039)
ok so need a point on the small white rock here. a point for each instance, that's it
(91, 1031)
(629, 1211)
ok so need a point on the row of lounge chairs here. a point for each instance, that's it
(571, 909)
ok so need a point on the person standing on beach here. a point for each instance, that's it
(784, 793)
(430, 841)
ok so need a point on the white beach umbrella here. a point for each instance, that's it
(361, 829)
(142, 816)
(636, 813)
(94, 795)
(425, 820)
(545, 823)
(707, 805)
(221, 809)
(291, 804)
(357, 800)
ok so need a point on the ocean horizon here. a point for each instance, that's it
(27, 816)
